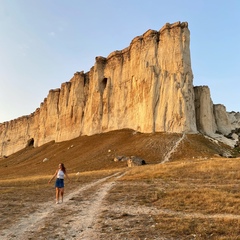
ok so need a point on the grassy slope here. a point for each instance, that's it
(194, 181)
(97, 152)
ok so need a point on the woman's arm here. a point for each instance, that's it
(67, 177)
(55, 174)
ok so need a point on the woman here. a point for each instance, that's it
(59, 184)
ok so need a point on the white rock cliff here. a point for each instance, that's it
(147, 87)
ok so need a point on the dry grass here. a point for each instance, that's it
(195, 195)
(196, 199)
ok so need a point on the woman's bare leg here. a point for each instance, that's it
(57, 194)
(62, 192)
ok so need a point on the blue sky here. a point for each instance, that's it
(44, 42)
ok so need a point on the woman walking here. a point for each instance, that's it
(59, 184)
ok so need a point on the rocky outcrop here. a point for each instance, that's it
(223, 123)
(131, 161)
(213, 120)
(134, 161)
(147, 87)
(205, 118)
(234, 118)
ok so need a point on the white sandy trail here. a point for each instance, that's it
(35, 222)
(174, 148)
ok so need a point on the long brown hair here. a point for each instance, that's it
(63, 167)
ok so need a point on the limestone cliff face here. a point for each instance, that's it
(205, 118)
(147, 87)
(213, 118)
(13, 135)
(60, 116)
(224, 125)
(234, 118)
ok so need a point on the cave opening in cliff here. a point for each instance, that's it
(103, 84)
(30, 142)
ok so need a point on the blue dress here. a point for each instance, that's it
(60, 179)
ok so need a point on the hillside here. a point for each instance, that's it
(192, 196)
(89, 153)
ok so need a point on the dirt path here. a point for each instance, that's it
(174, 148)
(87, 214)
(76, 218)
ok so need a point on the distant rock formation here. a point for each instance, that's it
(213, 120)
(147, 87)
(224, 125)
(205, 117)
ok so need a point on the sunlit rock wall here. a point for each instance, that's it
(147, 87)
(224, 125)
(205, 117)
(213, 118)
(61, 113)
